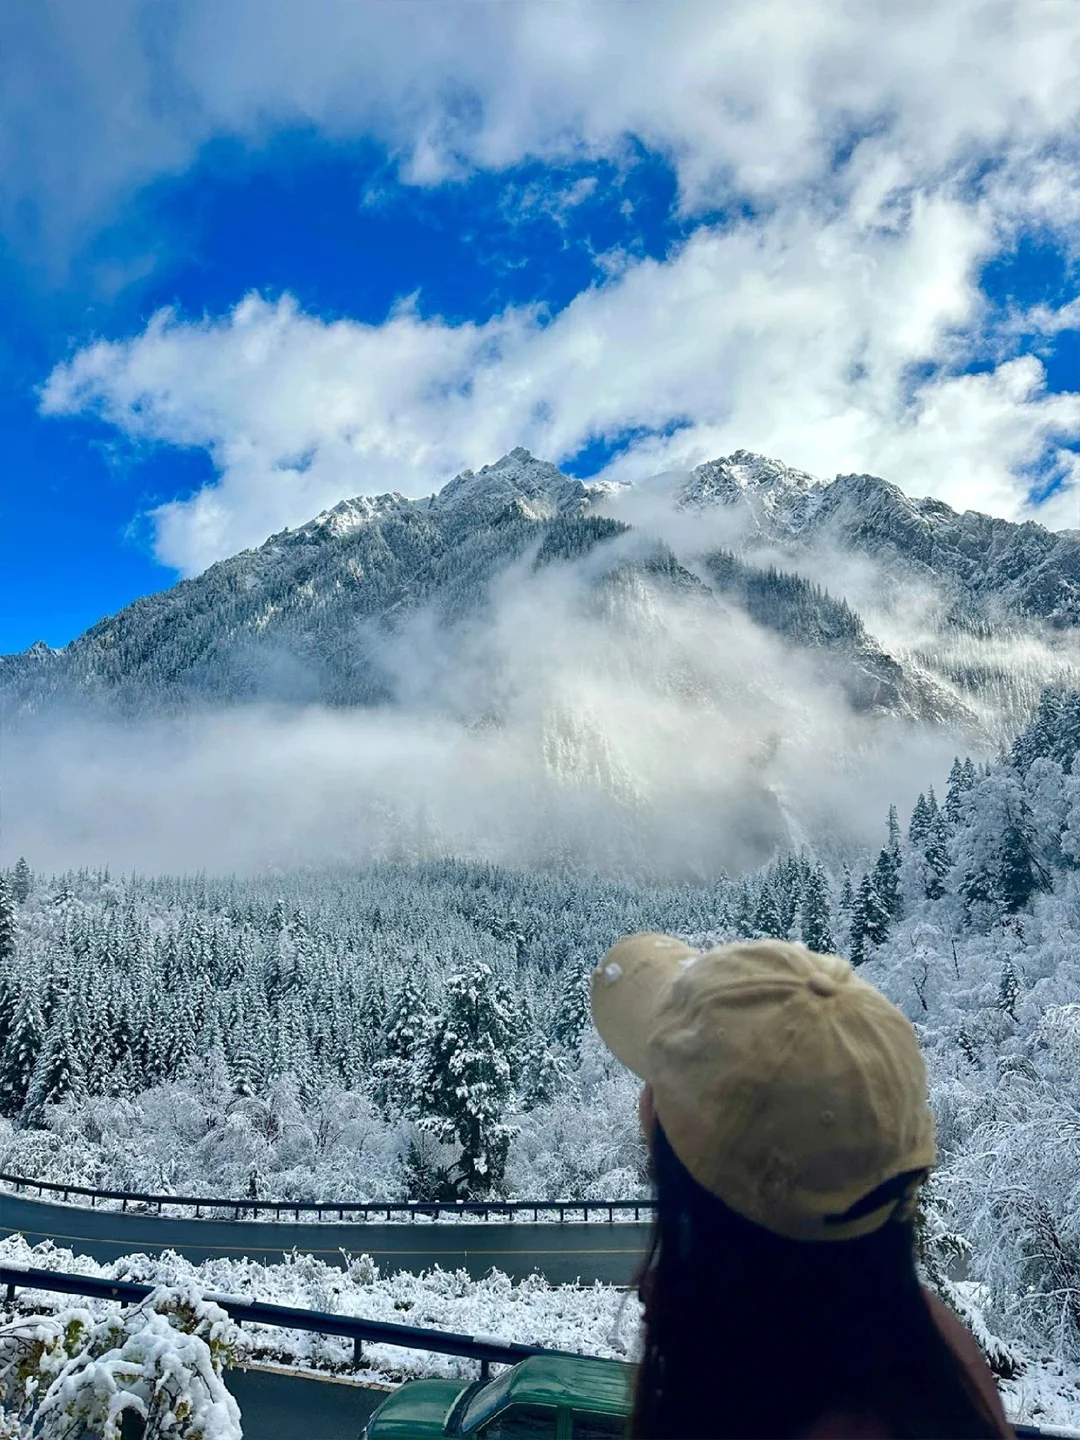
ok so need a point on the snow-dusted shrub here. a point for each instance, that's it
(71, 1373)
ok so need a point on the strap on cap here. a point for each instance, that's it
(901, 1188)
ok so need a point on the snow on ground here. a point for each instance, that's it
(595, 1320)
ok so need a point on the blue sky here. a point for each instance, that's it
(622, 274)
(293, 216)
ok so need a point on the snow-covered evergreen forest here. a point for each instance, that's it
(420, 1030)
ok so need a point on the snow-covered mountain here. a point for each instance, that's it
(304, 616)
(1026, 569)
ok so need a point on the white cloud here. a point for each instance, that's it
(795, 335)
(745, 97)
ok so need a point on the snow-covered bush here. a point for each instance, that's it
(161, 1361)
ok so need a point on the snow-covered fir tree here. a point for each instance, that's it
(7, 920)
(869, 919)
(816, 928)
(22, 880)
(467, 1071)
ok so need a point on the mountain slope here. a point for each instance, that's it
(306, 617)
(1025, 569)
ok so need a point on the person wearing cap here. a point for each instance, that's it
(785, 1106)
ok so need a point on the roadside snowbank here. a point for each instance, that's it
(596, 1320)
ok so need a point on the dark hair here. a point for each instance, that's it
(751, 1334)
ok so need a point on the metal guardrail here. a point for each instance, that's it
(412, 1337)
(360, 1210)
(488, 1351)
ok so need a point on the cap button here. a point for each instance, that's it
(822, 984)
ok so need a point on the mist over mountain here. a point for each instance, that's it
(533, 668)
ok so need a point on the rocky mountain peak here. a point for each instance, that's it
(348, 515)
(774, 493)
(732, 475)
(538, 488)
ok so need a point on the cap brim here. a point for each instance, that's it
(626, 989)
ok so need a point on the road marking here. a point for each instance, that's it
(306, 1250)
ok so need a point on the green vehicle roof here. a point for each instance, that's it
(583, 1383)
(419, 1408)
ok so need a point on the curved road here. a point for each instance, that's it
(560, 1252)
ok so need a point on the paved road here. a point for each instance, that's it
(287, 1407)
(560, 1252)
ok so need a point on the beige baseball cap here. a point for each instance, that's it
(786, 1085)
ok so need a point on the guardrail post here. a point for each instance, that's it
(357, 1352)
(485, 1371)
(10, 1292)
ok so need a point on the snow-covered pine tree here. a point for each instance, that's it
(123, 1063)
(1020, 874)
(54, 995)
(405, 1037)
(77, 1014)
(1036, 740)
(847, 893)
(369, 1015)
(7, 920)
(245, 1072)
(962, 779)
(745, 911)
(1008, 989)
(57, 1073)
(893, 842)
(541, 1073)
(996, 865)
(869, 920)
(22, 881)
(767, 919)
(919, 824)
(1052, 734)
(20, 1054)
(887, 881)
(928, 838)
(571, 1007)
(787, 882)
(968, 1048)
(291, 1045)
(935, 849)
(9, 1005)
(815, 920)
(467, 1075)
